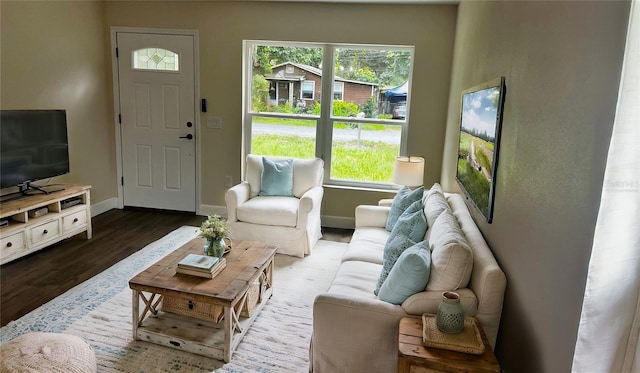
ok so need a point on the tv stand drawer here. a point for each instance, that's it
(45, 232)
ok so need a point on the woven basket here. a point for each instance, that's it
(468, 341)
(202, 311)
(253, 295)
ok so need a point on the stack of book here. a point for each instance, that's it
(201, 265)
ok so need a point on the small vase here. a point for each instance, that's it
(214, 247)
(450, 316)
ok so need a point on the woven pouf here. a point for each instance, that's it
(47, 352)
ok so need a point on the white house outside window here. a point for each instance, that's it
(331, 103)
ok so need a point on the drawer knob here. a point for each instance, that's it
(45, 231)
(9, 244)
(191, 305)
(75, 220)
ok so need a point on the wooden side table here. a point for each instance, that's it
(413, 356)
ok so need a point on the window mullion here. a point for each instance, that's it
(325, 125)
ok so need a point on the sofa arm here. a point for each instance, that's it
(309, 202)
(234, 197)
(385, 202)
(372, 216)
(350, 334)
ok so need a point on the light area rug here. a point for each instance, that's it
(99, 311)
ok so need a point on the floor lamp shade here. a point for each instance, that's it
(408, 171)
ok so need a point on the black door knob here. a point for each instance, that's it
(188, 137)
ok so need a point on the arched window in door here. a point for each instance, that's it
(155, 59)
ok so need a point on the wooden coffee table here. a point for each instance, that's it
(249, 264)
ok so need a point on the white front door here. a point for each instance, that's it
(156, 81)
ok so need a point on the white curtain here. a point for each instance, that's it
(610, 320)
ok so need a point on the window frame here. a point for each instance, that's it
(326, 120)
(341, 90)
(313, 90)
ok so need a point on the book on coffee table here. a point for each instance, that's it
(198, 262)
(217, 268)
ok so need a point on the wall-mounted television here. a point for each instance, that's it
(478, 144)
(33, 146)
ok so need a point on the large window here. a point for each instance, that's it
(334, 101)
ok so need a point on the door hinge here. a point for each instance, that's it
(117, 52)
(120, 118)
(122, 181)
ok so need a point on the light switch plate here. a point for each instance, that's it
(214, 122)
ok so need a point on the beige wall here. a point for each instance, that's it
(223, 26)
(562, 63)
(53, 56)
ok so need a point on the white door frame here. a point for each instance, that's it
(116, 102)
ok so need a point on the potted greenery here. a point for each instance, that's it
(216, 232)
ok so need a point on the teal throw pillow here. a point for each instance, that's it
(276, 178)
(392, 251)
(409, 229)
(401, 201)
(412, 223)
(409, 275)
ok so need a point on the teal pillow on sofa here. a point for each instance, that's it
(401, 201)
(276, 178)
(412, 223)
(409, 275)
(408, 230)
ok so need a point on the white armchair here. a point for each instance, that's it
(290, 223)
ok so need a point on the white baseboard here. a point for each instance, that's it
(104, 206)
(206, 210)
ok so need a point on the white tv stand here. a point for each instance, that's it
(36, 221)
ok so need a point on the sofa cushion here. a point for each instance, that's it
(401, 202)
(276, 178)
(367, 245)
(451, 255)
(356, 279)
(279, 211)
(434, 204)
(409, 274)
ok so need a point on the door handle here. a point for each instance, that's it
(188, 137)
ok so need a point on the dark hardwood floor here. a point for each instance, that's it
(33, 280)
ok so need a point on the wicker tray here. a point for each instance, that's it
(468, 341)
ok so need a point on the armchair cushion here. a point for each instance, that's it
(274, 211)
(409, 275)
(276, 178)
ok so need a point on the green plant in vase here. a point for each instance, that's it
(216, 232)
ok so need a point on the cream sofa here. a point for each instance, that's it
(355, 331)
(290, 223)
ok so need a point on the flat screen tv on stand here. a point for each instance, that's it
(33, 146)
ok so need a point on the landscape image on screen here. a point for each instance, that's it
(480, 113)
